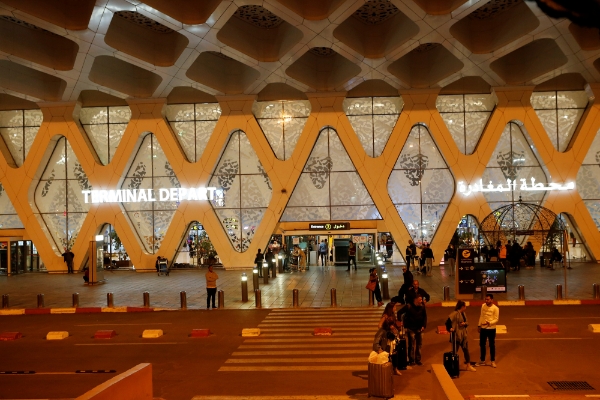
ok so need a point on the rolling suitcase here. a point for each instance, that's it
(381, 382)
(451, 359)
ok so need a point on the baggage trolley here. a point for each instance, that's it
(163, 268)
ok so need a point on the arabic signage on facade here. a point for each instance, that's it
(144, 195)
(329, 226)
(512, 186)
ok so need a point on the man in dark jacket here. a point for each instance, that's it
(408, 282)
(415, 291)
(415, 322)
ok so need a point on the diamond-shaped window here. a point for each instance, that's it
(421, 185)
(18, 129)
(8, 215)
(330, 188)
(244, 191)
(105, 127)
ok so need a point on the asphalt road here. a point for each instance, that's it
(286, 359)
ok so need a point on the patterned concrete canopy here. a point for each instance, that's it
(140, 60)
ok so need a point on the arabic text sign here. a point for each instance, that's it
(329, 226)
(512, 186)
(143, 195)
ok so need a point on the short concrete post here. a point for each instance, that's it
(370, 298)
(521, 292)
(255, 279)
(75, 300)
(244, 288)
(446, 293)
(4, 301)
(40, 300)
(385, 291)
(596, 291)
(333, 297)
(183, 299)
(221, 295)
(274, 268)
(265, 270)
(110, 300)
(295, 302)
(146, 296)
(483, 292)
(257, 299)
(559, 292)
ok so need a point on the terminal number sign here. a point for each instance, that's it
(329, 226)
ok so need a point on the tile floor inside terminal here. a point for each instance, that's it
(314, 287)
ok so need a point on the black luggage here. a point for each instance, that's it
(381, 382)
(400, 355)
(451, 359)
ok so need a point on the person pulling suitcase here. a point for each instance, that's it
(457, 325)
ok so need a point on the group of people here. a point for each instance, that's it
(411, 318)
(511, 255)
(422, 263)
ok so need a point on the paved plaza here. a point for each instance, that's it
(314, 287)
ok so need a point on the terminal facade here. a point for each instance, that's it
(210, 174)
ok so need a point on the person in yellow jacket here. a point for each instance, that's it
(211, 286)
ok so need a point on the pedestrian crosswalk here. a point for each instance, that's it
(287, 343)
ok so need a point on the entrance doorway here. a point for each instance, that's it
(18, 256)
(196, 249)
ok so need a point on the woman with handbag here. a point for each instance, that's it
(373, 286)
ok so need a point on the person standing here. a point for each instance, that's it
(351, 254)
(490, 313)
(409, 255)
(323, 252)
(515, 254)
(416, 291)
(301, 259)
(389, 246)
(415, 255)
(270, 259)
(68, 257)
(258, 260)
(374, 287)
(415, 322)
(211, 287)
(457, 323)
(428, 254)
(450, 258)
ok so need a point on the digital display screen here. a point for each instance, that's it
(493, 279)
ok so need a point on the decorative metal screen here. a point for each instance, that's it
(8, 215)
(329, 187)
(421, 185)
(105, 127)
(18, 129)
(246, 191)
(373, 119)
(588, 180)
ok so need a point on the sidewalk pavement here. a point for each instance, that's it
(314, 287)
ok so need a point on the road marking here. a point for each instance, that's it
(546, 338)
(329, 339)
(501, 395)
(126, 344)
(318, 323)
(340, 316)
(283, 368)
(55, 373)
(294, 360)
(294, 352)
(310, 329)
(301, 397)
(311, 335)
(328, 322)
(111, 324)
(531, 318)
(308, 346)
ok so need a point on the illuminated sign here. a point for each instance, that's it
(329, 226)
(143, 195)
(512, 186)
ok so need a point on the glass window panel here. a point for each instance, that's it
(57, 228)
(12, 118)
(348, 189)
(594, 209)
(180, 112)
(358, 106)
(186, 134)
(105, 127)
(387, 105)
(255, 191)
(273, 130)
(204, 130)
(572, 99)
(311, 190)
(248, 159)
(340, 161)
(93, 115)
(99, 139)
(479, 102)
(588, 181)
(543, 100)
(466, 125)
(208, 111)
(297, 108)
(143, 223)
(474, 125)
(13, 137)
(231, 220)
(119, 115)
(403, 186)
(18, 129)
(115, 134)
(355, 213)
(306, 214)
(450, 103)
(568, 120)
(455, 122)
(411, 216)
(8, 215)
(268, 110)
(363, 127)
(30, 133)
(383, 125)
(251, 218)
(593, 154)
(435, 187)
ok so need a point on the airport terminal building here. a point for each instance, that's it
(197, 137)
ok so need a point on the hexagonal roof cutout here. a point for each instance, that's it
(32, 82)
(587, 38)
(323, 69)
(8, 102)
(467, 85)
(189, 95)
(223, 73)
(425, 65)
(96, 98)
(139, 36)
(35, 44)
(188, 12)
(494, 25)
(439, 7)
(123, 77)
(373, 88)
(568, 81)
(312, 9)
(530, 61)
(376, 29)
(69, 14)
(280, 91)
(258, 33)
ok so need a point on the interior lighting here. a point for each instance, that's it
(244, 277)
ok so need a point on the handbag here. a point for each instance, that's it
(371, 285)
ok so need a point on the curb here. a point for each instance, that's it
(127, 309)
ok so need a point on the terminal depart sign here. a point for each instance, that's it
(329, 226)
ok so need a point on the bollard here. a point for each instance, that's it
(75, 300)
(559, 292)
(370, 298)
(183, 299)
(257, 299)
(221, 295)
(333, 297)
(295, 303)
(255, 279)
(280, 264)
(244, 288)
(385, 292)
(146, 297)
(521, 292)
(4, 301)
(265, 270)
(483, 292)
(110, 300)
(40, 300)
(596, 291)
(446, 293)
(274, 269)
